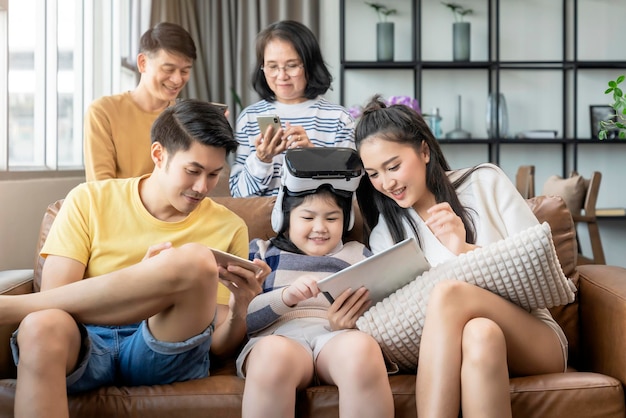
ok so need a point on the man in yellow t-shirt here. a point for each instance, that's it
(117, 128)
(130, 292)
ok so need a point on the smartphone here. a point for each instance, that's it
(266, 120)
(221, 106)
(225, 259)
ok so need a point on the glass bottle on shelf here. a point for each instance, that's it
(434, 122)
(497, 115)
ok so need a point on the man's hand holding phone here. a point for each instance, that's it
(242, 277)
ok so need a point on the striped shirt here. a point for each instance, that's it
(267, 311)
(326, 125)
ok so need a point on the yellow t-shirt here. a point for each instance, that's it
(117, 138)
(104, 226)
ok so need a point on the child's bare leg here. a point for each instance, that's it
(275, 368)
(354, 362)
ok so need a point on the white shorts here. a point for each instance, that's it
(544, 316)
(310, 333)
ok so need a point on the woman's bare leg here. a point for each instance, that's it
(484, 373)
(275, 369)
(531, 348)
(354, 362)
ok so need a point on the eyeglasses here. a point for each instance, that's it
(292, 70)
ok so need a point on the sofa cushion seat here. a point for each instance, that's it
(572, 394)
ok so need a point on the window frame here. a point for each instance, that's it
(4, 88)
(95, 75)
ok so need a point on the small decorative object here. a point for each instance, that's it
(384, 32)
(537, 134)
(497, 116)
(404, 100)
(458, 133)
(460, 32)
(613, 126)
(409, 101)
(603, 117)
(434, 122)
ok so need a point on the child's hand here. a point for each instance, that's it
(347, 308)
(303, 288)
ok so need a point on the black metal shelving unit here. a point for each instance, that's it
(493, 67)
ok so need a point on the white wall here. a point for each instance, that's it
(23, 204)
(528, 93)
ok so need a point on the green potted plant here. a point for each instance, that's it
(460, 32)
(384, 31)
(618, 120)
(458, 10)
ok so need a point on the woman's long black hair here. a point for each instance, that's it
(403, 125)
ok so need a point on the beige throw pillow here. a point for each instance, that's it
(573, 191)
(522, 268)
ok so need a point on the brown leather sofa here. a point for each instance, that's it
(595, 325)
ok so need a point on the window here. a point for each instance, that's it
(45, 84)
(55, 57)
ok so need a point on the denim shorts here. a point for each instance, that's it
(130, 356)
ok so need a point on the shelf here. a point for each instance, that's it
(611, 213)
(553, 93)
(377, 65)
(518, 141)
(589, 141)
(468, 65)
(476, 141)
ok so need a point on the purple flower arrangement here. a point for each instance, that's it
(356, 111)
(404, 100)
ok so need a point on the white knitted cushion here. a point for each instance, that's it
(522, 268)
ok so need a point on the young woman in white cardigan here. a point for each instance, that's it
(472, 339)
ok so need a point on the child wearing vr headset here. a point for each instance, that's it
(296, 336)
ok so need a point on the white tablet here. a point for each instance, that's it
(382, 273)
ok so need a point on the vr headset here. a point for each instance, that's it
(306, 169)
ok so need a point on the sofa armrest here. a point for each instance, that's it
(602, 297)
(12, 282)
(16, 282)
